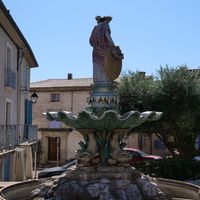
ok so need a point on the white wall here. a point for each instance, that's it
(7, 93)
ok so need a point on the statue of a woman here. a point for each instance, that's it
(101, 42)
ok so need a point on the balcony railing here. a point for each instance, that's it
(13, 135)
(10, 78)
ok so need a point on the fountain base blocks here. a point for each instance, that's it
(102, 183)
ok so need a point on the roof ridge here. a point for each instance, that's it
(52, 79)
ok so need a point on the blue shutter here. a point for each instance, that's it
(6, 167)
(28, 112)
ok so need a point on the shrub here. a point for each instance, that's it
(171, 168)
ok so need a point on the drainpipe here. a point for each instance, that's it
(58, 150)
(70, 77)
(18, 86)
(35, 160)
(72, 99)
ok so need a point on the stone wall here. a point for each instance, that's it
(73, 101)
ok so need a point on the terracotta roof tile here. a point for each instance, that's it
(54, 83)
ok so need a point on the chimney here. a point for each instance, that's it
(69, 76)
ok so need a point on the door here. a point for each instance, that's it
(54, 149)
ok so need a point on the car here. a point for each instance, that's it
(138, 155)
(54, 171)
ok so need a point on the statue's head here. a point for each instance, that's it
(100, 19)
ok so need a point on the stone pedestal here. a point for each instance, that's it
(102, 183)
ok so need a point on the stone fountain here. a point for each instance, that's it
(103, 170)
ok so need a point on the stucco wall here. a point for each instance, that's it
(7, 94)
(2, 61)
(72, 147)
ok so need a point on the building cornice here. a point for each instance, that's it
(13, 31)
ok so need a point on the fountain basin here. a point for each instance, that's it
(178, 189)
(173, 189)
(19, 191)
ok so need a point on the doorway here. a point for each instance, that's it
(54, 149)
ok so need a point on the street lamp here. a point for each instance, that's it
(34, 98)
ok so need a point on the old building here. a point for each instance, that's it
(58, 142)
(17, 135)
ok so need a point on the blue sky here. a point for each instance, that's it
(150, 33)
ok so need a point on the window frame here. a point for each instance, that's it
(8, 48)
(55, 97)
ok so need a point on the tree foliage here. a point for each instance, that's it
(176, 93)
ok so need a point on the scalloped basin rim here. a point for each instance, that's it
(109, 120)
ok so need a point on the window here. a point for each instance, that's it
(8, 56)
(8, 112)
(10, 75)
(55, 97)
(26, 76)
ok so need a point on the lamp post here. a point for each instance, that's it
(58, 153)
(34, 97)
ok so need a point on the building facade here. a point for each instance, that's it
(58, 142)
(17, 135)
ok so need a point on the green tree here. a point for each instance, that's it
(176, 93)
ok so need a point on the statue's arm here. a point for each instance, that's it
(108, 37)
(111, 43)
